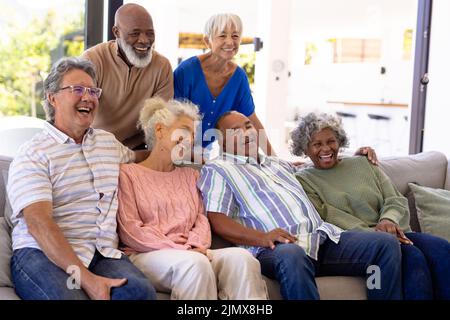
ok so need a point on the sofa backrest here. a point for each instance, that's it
(426, 169)
(429, 169)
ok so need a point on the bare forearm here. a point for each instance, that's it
(51, 240)
(233, 231)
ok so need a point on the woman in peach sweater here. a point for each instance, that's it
(161, 219)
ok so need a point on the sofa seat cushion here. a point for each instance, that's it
(7, 293)
(433, 210)
(330, 288)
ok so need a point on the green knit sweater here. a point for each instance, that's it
(355, 195)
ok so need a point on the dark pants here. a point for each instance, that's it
(352, 256)
(426, 267)
(35, 277)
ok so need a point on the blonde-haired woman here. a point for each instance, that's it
(161, 219)
(214, 82)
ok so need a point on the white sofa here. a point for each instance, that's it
(430, 169)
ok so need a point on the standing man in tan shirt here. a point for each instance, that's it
(129, 71)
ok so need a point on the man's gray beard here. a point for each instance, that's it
(132, 57)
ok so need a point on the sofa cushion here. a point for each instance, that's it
(413, 219)
(5, 254)
(433, 210)
(427, 169)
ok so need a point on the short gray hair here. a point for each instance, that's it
(53, 81)
(311, 124)
(156, 110)
(218, 22)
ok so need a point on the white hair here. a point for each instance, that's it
(156, 110)
(218, 22)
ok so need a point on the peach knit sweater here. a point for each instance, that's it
(160, 210)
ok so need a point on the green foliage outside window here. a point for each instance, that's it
(247, 62)
(25, 60)
(310, 52)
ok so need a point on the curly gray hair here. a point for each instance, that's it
(311, 124)
(53, 81)
(156, 110)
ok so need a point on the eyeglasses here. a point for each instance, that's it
(80, 91)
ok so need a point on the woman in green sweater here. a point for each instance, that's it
(354, 194)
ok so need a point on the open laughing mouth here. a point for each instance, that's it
(326, 157)
(84, 110)
(141, 51)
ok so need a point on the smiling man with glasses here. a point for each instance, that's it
(63, 190)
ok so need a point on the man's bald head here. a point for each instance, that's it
(239, 135)
(130, 12)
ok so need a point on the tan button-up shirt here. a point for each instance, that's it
(125, 89)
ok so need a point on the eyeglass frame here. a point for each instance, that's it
(89, 89)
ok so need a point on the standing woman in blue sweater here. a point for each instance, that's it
(213, 81)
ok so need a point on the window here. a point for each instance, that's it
(355, 60)
(356, 50)
(35, 35)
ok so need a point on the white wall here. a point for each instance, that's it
(437, 116)
(271, 70)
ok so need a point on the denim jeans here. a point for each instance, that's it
(426, 267)
(35, 277)
(355, 252)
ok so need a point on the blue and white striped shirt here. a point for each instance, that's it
(264, 196)
(80, 180)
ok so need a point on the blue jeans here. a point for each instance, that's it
(426, 267)
(355, 252)
(35, 277)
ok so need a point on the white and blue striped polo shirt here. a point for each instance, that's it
(264, 196)
(80, 180)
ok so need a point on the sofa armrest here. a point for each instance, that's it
(4, 167)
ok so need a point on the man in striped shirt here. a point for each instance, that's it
(63, 191)
(256, 201)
